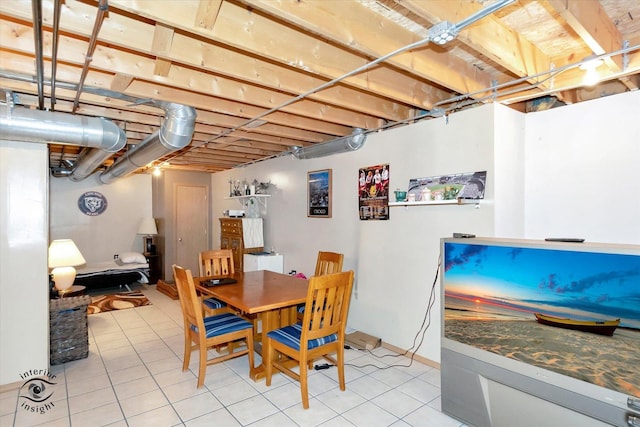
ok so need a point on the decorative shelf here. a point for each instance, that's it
(438, 202)
(261, 198)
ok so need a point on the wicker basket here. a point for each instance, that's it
(68, 331)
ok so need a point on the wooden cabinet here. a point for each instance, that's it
(155, 267)
(232, 237)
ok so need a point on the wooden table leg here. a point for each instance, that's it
(272, 319)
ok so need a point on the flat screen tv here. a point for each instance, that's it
(540, 333)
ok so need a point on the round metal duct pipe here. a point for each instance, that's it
(175, 133)
(91, 159)
(23, 124)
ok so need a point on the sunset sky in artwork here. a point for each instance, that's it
(518, 281)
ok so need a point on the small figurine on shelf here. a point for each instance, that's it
(263, 187)
(236, 188)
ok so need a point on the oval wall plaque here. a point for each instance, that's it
(92, 203)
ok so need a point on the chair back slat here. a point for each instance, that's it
(328, 263)
(329, 297)
(217, 262)
(189, 301)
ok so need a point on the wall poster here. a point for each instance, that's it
(373, 192)
(470, 185)
(319, 194)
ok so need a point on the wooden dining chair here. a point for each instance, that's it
(216, 262)
(327, 263)
(320, 334)
(203, 333)
(219, 262)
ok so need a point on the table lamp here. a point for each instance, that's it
(148, 229)
(63, 257)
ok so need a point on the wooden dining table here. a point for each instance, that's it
(273, 296)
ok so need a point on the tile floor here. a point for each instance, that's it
(133, 377)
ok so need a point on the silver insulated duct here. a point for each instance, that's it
(24, 124)
(175, 133)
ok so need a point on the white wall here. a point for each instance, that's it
(395, 260)
(24, 284)
(570, 171)
(509, 172)
(583, 171)
(100, 237)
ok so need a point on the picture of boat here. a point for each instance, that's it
(606, 327)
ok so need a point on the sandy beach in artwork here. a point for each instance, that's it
(610, 362)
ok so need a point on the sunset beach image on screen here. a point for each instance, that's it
(573, 312)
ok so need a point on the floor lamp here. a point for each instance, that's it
(148, 229)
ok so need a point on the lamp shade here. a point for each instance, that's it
(148, 227)
(64, 253)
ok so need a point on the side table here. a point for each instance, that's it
(74, 291)
(68, 329)
(155, 267)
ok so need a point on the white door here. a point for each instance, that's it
(191, 225)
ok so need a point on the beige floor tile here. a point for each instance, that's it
(92, 400)
(369, 414)
(234, 392)
(143, 403)
(135, 387)
(126, 375)
(341, 401)
(221, 417)
(426, 416)
(196, 406)
(160, 417)
(251, 410)
(98, 416)
(183, 390)
(81, 386)
(317, 414)
(276, 420)
(420, 390)
(397, 403)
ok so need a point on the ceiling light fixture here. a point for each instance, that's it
(343, 144)
(589, 64)
(443, 32)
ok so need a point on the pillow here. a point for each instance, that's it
(132, 258)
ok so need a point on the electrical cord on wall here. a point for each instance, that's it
(426, 322)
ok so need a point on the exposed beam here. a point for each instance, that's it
(589, 20)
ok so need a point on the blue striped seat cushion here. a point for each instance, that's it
(290, 336)
(223, 324)
(301, 308)
(213, 303)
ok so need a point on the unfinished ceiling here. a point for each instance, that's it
(268, 75)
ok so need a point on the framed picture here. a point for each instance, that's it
(319, 194)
